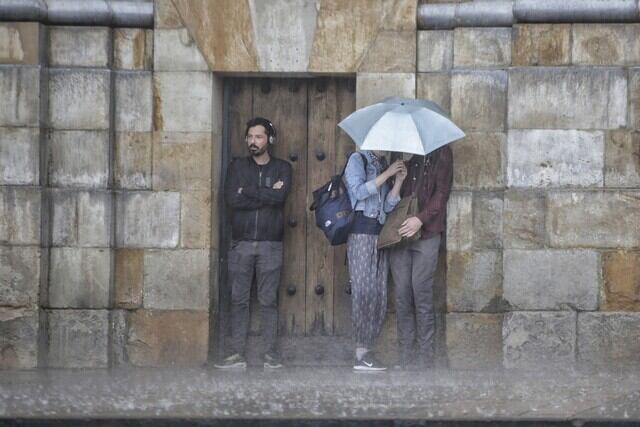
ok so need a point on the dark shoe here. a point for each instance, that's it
(272, 361)
(235, 361)
(368, 363)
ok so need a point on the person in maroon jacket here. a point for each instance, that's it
(413, 264)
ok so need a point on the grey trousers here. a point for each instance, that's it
(265, 258)
(412, 268)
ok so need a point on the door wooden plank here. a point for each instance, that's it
(240, 111)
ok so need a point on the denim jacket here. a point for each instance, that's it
(374, 202)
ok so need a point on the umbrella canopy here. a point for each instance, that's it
(404, 125)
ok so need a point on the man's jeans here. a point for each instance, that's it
(412, 267)
(265, 258)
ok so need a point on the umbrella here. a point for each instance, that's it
(404, 125)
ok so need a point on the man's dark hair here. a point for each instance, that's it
(266, 124)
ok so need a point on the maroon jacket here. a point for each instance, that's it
(432, 198)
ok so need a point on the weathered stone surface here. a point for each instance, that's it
(551, 279)
(538, 339)
(478, 161)
(79, 99)
(606, 44)
(182, 101)
(474, 281)
(79, 158)
(18, 338)
(487, 220)
(555, 158)
(523, 220)
(391, 52)
(79, 278)
(132, 48)
(460, 221)
(399, 15)
(19, 276)
(20, 216)
(20, 43)
(488, 90)
(78, 338)
(482, 47)
(119, 328)
(147, 219)
(79, 46)
(553, 98)
(129, 277)
(621, 280)
(474, 341)
(176, 280)
(164, 338)
(166, 15)
(622, 159)
(541, 44)
(436, 87)
(20, 93)
(134, 101)
(181, 161)
(593, 219)
(195, 218)
(609, 340)
(20, 156)
(374, 87)
(133, 160)
(435, 50)
(634, 98)
(175, 50)
(81, 218)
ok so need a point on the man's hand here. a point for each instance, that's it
(395, 167)
(278, 185)
(410, 226)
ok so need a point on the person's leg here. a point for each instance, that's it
(241, 267)
(357, 256)
(268, 269)
(379, 287)
(400, 261)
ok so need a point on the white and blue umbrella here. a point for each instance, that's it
(404, 125)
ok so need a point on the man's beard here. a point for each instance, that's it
(256, 151)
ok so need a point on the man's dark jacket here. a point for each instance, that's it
(258, 210)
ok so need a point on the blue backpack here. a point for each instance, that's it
(332, 207)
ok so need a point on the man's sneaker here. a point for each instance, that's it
(368, 363)
(272, 361)
(235, 361)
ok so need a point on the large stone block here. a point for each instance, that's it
(474, 341)
(167, 338)
(482, 47)
(460, 221)
(374, 87)
(553, 98)
(436, 87)
(541, 44)
(78, 338)
(175, 50)
(20, 216)
(487, 220)
(81, 218)
(182, 101)
(606, 44)
(435, 50)
(182, 161)
(622, 159)
(474, 281)
(18, 338)
(551, 279)
(609, 340)
(20, 93)
(20, 156)
(176, 280)
(487, 91)
(119, 329)
(79, 278)
(391, 52)
(166, 15)
(132, 169)
(147, 219)
(79, 99)
(634, 98)
(134, 101)
(621, 280)
(20, 43)
(129, 277)
(539, 339)
(478, 161)
(79, 47)
(132, 49)
(195, 218)
(79, 159)
(523, 220)
(19, 276)
(555, 158)
(594, 219)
